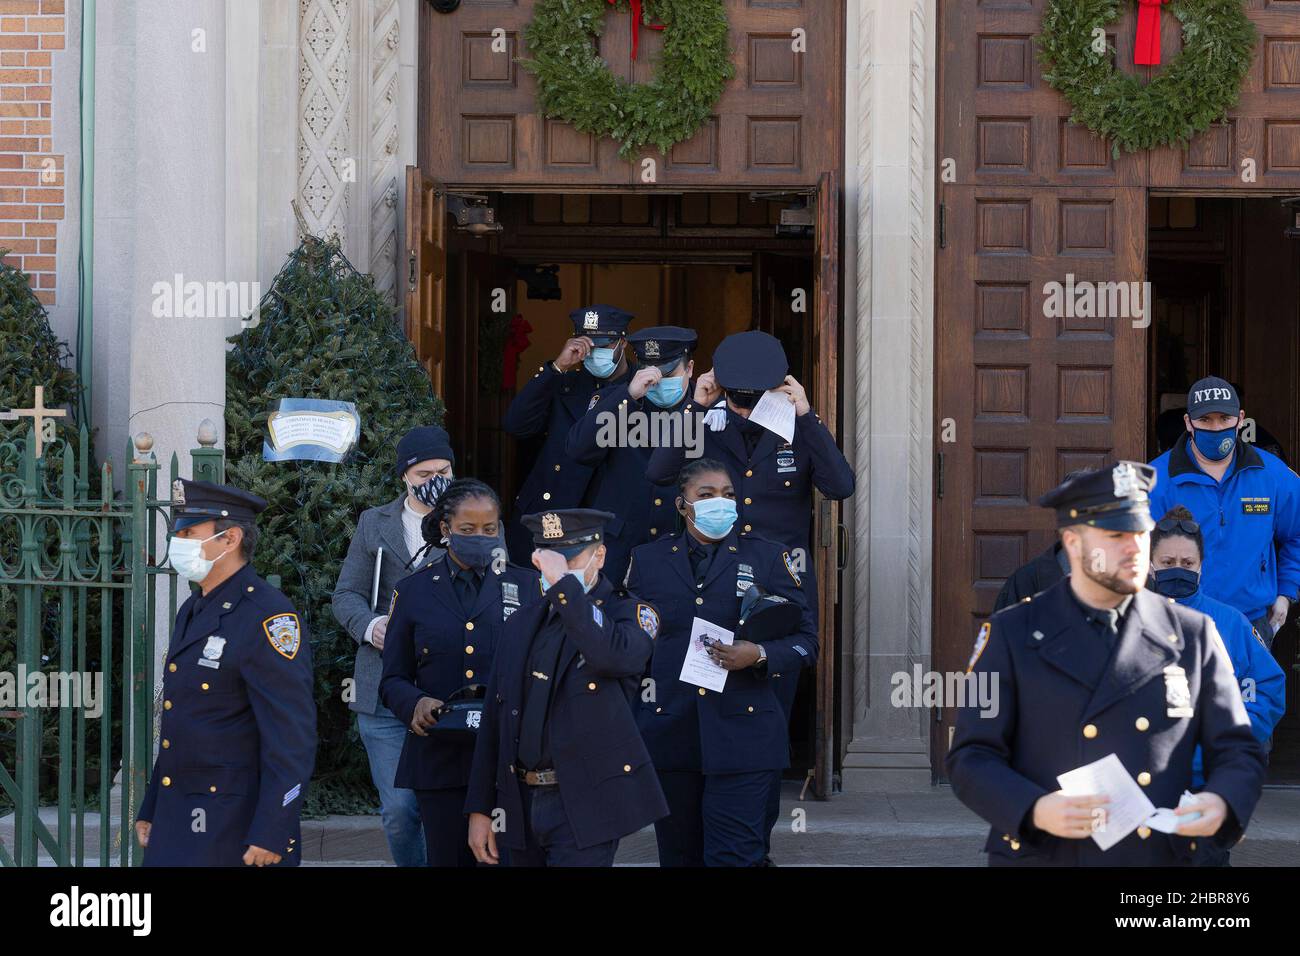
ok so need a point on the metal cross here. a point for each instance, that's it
(38, 413)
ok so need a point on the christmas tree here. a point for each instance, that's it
(323, 332)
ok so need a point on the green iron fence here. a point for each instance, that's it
(80, 597)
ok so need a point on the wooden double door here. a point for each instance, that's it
(1031, 208)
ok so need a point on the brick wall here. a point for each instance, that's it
(31, 175)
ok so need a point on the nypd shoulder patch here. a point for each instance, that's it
(789, 566)
(648, 619)
(980, 643)
(284, 633)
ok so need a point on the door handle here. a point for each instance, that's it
(413, 278)
(842, 557)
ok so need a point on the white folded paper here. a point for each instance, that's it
(775, 412)
(699, 668)
(1129, 807)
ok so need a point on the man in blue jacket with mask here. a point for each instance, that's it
(1246, 501)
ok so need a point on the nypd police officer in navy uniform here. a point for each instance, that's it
(445, 624)
(716, 753)
(238, 732)
(558, 395)
(1246, 501)
(662, 383)
(774, 479)
(560, 772)
(1098, 665)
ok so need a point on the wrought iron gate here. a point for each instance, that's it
(79, 594)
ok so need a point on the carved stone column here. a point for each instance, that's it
(327, 160)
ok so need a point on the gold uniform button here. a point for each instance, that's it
(212, 789)
(249, 589)
(1015, 844)
(749, 527)
(469, 648)
(1193, 847)
(1144, 832)
(167, 705)
(787, 484)
(167, 745)
(659, 501)
(1142, 723)
(469, 673)
(749, 501)
(167, 781)
(469, 625)
(425, 651)
(750, 709)
(1090, 731)
(703, 691)
(654, 530)
(750, 473)
(546, 497)
(627, 768)
(205, 687)
(699, 600)
(659, 710)
(171, 668)
(557, 467)
(1006, 837)
(591, 686)
(1144, 778)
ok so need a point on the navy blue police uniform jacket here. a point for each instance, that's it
(1064, 700)
(549, 404)
(687, 727)
(238, 732)
(433, 647)
(607, 783)
(643, 510)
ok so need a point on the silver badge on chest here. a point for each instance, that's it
(212, 652)
(1178, 696)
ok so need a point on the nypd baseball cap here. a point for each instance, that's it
(1212, 395)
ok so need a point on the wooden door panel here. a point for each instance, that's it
(478, 119)
(1264, 126)
(426, 294)
(1000, 123)
(1030, 396)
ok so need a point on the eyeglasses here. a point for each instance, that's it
(1185, 525)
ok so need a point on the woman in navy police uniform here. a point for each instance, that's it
(715, 753)
(443, 630)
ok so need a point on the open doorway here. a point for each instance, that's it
(1226, 291)
(488, 307)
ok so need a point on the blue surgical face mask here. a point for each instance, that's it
(667, 392)
(1177, 583)
(601, 362)
(1215, 446)
(580, 575)
(714, 517)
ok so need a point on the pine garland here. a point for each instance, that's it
(1195, 90)
(325, 332)
(576, 86)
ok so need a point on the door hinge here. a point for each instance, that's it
(938, 478)
(413, 278)
(943, 226)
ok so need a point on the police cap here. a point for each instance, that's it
(194, 502)
(750, 361)
(1114, 498)
(765, 616)
(601, 321)
(662, 345)
(569, 530)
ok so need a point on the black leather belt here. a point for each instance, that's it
(538, 778)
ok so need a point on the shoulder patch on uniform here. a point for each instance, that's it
(789, 566)
(981, 642)
(284, 633)
(648, 619)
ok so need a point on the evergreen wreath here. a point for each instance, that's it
(1195, 90)
(576, 86)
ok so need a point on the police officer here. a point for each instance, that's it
(561, 392)
(774, 479)
(717, 752)
(615, 438)
(1098, 665)
(1247, 502)
(560, 773)
(238, 722)
(445, 624)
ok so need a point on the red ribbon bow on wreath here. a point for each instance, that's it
(636, 25)
(1146, 51)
